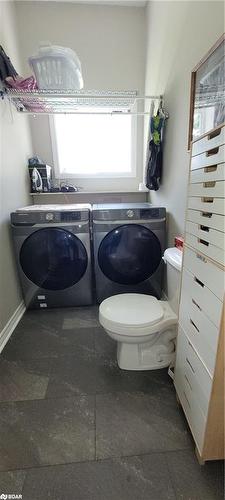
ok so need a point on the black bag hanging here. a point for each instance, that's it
(154, 166)
(6, 67)
(155, 150)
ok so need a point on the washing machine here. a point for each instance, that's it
(53, 255)
(129, 241)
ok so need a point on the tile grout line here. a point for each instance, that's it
(95, 412)
(74, 396)
(94, 346)
(98, 460)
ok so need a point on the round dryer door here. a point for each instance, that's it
(53, 259)
(129, 254)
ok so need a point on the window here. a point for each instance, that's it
(94, 145)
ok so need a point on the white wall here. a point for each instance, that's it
(15, 147)
(110, 42)
(178, 36)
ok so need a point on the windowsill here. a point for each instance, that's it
(87, 192)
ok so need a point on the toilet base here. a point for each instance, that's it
(148, 355)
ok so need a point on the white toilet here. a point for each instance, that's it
(144, 327)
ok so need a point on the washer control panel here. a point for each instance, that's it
(30, 218)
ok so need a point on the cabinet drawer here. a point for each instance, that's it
(201, 245)
(201, 296)
(196, 379)
(194, 415)
(192, 410)
(202, 333)
(196, 419)
(208, 174)
(210, 157)
(207, 219)
(207, 204)
(207, 273)
(206, 233)
(206, 189)
(210, 141)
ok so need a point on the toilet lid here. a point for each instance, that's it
(132, 309)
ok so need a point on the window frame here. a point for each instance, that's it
(101, 175)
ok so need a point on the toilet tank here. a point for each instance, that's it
(173, 261)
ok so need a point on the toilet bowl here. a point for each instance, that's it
(144, 327)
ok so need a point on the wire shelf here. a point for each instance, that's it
(78, 102)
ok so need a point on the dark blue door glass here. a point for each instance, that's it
(129, 254)
(53, 259)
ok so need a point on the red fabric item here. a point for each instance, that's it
(179, 242)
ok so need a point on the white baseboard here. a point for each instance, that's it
(8, 329)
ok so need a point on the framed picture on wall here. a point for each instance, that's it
(207, 100)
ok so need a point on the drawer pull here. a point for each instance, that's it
(194, 325)
(200, 257)
(213, 134)
(185, 376)
(199, 282)
(195, 304)
(207, 199)
(190, 345)
(188, 362)
(206, 214)
(186, 399)
(212, 152)
(209, 184)
(203, 242)
(204, 228)
(212, 168)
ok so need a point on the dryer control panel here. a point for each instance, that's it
(129, 211)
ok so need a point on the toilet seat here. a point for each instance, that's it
(132, 314)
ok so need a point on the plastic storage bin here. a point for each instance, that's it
(57, 68)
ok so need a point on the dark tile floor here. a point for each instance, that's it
(73, 425)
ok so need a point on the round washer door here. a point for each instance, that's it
(129, 254)
(53, 258)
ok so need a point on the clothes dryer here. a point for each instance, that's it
(53, 255)
(129, 241)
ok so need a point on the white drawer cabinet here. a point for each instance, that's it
(208, 174)
(195, 418)
(208, 189)
(207, 219)
(202, 333)
(207, 204)
(193, 291)
(202, 245)
(199, 368)
(211, 157)
(205, 272)
(206, 233)
(194, 375)
(188, 394)
(208, 142)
